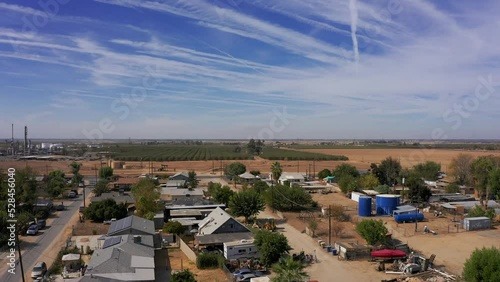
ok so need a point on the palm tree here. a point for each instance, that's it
(288, 270)
(276, 171)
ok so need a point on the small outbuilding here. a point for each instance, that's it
(71, 263)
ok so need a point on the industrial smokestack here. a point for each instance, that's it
(25, 139)
(12, 140)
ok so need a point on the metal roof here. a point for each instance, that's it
(124, 261)
(247, 175)
(134, 223)
(223, 238)
(182, 192)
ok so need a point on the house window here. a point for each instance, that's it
(242, 251)
(231, 225)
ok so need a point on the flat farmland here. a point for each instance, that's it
(362, 158)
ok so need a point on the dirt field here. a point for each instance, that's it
(179, 261)
(362, 158)
(451, 248)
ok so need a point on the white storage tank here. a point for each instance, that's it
(355, 196)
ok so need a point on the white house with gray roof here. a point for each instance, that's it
(123, 258)
(219, 227)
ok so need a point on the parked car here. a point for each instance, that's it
(32, 230)
(109, 221)
(242, 271)
(245, 277)
(60, 207)
(39, 270)
(71, 194)
(76, 191)
(41, 223)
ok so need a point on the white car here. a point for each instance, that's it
(39, 270)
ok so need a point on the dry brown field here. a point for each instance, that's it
(362, 158)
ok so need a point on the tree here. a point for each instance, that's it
(428, 170)
(289, 270)
(483, 265)
(147, 198)
(373, 231)
(174, 227)
(419, 192)
(383, 189)
(324, 173)
(254, 147)
(285, 198)
(461, 168)
(368, 181)
(246, 203)
(101, 187)
(105, 172)
(105, 210)
(495, 183)
(223, 195)
(183, 276)
(477, 211)
(192, 181)
(481, 169)
(271, 246)
(260, 186)
(348, 183)
(453, 188)
(255, 172)
(234, 169)
(388, 171)
(276, 171)
(345, 170)
(56, 186)
(77, 177)
(26, 186)
(313, 225)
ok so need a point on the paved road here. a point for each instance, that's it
(32, 252)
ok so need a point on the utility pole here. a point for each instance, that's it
(329, 225)
(314, 169)
(19, 251)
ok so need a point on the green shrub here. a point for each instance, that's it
(209, 261)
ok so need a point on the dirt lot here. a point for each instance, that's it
(178, 261)
(451, 248)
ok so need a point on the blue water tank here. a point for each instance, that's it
(386, 204)
(365, 206)
(409, 217)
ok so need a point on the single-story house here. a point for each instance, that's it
(134, 225)
(189, 207)
(180, 176)
(119, 197)
(123, 258)
(248, 177)
(123, 183)
(291, 177)
(219, 227)
(173, 184)
(169, 194)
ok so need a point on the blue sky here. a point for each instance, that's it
(257, 68)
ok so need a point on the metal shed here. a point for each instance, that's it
(477, 223)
